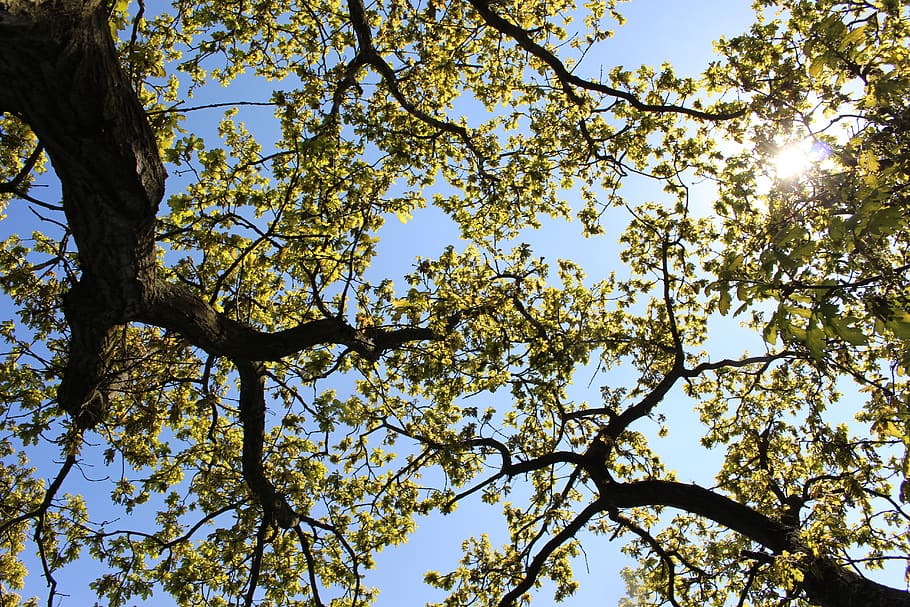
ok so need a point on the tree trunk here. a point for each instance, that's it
(61, 76)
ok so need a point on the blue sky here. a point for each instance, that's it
(680, 32)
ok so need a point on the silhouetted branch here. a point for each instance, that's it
(570, 80)
(534, 568)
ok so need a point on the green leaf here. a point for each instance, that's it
(815, 341)
(723, 301)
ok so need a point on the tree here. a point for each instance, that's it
(189, 345)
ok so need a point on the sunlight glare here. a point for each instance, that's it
(797, 158)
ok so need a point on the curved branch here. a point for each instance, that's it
(570, 80)
(750, 579)
(825, 581)
(702, 502)
(256, 564)
(49, 495)
(537, 563)
(177, 308)
(619, 422)
(313, 523)
(167, 545)
(665, 556)
(311, 565)
(13, 186)
(46, 567)
(252, 415)
(367, 55)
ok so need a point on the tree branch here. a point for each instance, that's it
(367, 55)
(177, 308)
(13, 186)
(570, 80)
(49, 495)
(256, 564)
(536, 566)
(825, 582)
(252, 415)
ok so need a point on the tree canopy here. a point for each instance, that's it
(201, 333)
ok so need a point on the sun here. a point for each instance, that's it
(795, 159)
(791, 162)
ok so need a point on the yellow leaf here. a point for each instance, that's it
(853, 37)
(868, 161)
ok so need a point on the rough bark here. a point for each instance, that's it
(62, 77)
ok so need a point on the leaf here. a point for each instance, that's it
(868, 161)
(846, 330)
(817, 66)
(837, 228)
(770, 331)
(900, 326)
(891, 429)
(815, 341)
(723, 302)
(854, 36)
